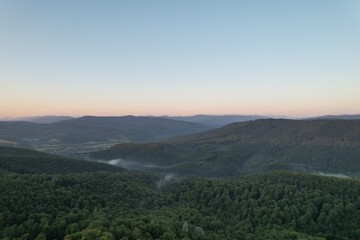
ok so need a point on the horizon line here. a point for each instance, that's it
(191, 115)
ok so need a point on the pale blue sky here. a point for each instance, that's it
(290, 57)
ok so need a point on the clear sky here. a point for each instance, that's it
(179, 57)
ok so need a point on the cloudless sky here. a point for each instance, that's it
(179, 57)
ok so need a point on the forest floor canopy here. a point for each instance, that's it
(109, 205)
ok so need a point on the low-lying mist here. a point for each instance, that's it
(164, 180)
(132, 165)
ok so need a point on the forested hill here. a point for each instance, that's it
(16, 160)
(92, 129)
(282, 132)
(138, 129)
(283, 206)
(76, 136)
(332, 117)
(318, 145)
(216, 120)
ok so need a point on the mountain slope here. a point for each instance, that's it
(138, 129)
(25, 161)
(56, 137)
(217, 120)
(282, 132)
(321, 145)
(332, 117)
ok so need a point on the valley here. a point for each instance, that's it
(75, 136)
(254, 146)
(80, 150)
(261, 179)
(179, 120)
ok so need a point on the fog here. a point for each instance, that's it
(168, 178)
(337, 175)
(132, 165)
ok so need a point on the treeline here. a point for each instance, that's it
(234, 159)
(24, 161)
(131, 206)
(271, 144)
(317, 206)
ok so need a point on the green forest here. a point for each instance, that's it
(331, 146)
(24, 161)
(124, 205)
(227, 183)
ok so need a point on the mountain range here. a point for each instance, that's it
(332, 117)
(307, 145)
(222, 120)
(92, 130)
(45, 196)
(216, 120)
(206, 119)
(39, 119)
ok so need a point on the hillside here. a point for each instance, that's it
(138, 129)
(216, 120)
(319, 145)
(283, 206)
(332, 117)
(88, 133)
(16, 160)
(282, 132)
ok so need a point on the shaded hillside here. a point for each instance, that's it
(100, 130)
(321, 145)
(217, 120)
(283, 206)
(332, 117)
(25, 161)
(139, 129)
(282, 132)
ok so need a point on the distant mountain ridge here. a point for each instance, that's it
(139, 129)
(332, 117)
(39, 119)
(206, 119)
(282, 131)
(216, 120)
(222, 120)
(266, 144)
(91, 129)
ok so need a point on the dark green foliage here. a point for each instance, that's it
(130, 206)
(319, 145)
(324, 207)
(19, 160)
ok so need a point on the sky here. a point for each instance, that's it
(179, 57)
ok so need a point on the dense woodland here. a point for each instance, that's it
(319, 145)
(108, 205)
(51, 197)
(16, 160)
